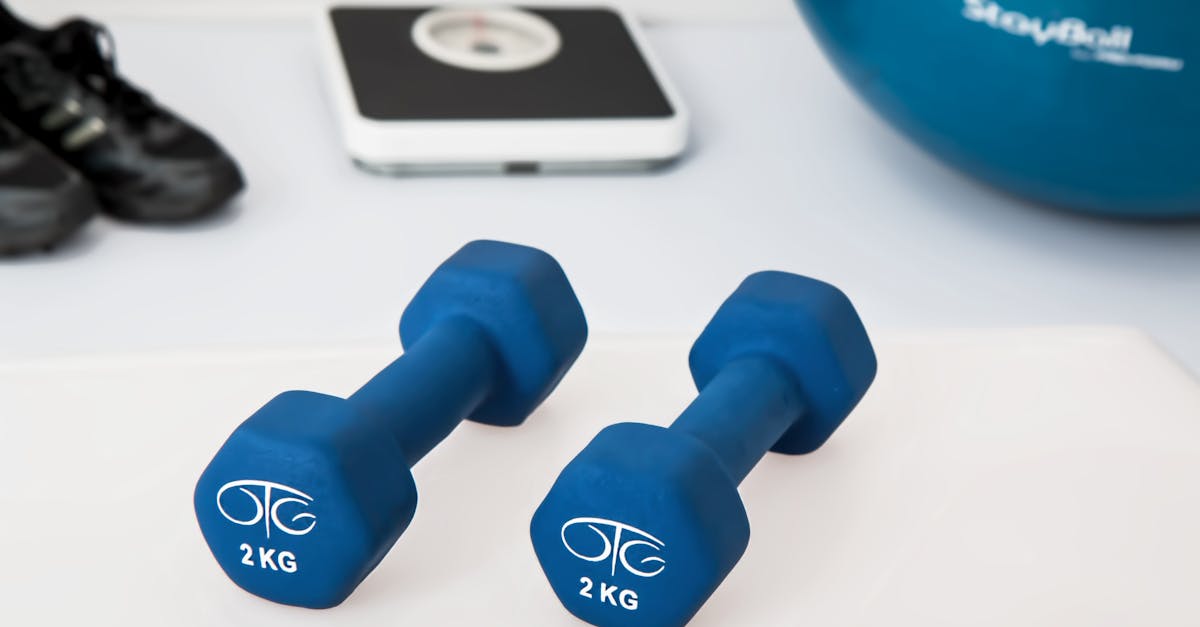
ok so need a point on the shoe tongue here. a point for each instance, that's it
(79, 43)
(29, 75)
(85, 49)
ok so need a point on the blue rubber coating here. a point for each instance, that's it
(639, 528)
(807, 326)
(644, 524)
(304, 499)
(764, 397)
(521, 296)
(308, 494)
(454, 355)
(1089, 105)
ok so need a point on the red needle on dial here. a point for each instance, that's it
(478, 22)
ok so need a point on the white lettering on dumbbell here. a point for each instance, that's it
(266, 511)
(247, 554)
(606, 593)
(286, 561)
(614, 596)
(1087, 43)
(267, 497)
(617, 548)
(265, 558)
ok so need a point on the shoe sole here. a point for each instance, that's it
(227, 183)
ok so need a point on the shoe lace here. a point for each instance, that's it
(87, 50)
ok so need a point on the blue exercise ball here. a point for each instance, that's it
(1090, 105)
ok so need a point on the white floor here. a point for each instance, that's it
(788, 171)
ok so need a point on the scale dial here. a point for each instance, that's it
(486, 39)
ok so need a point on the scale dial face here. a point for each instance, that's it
(486, 39)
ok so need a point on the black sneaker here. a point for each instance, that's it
(42, 200)
(147, 164)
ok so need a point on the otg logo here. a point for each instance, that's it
(617, 548)
(266, 510)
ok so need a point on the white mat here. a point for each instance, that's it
(1001, 478)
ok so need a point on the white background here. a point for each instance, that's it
(992, 478)
(653, 10)
(787, 170)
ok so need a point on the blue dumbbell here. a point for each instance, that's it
(309, 493)
(644, 524)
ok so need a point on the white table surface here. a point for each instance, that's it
(788, 171)
(1034, 478)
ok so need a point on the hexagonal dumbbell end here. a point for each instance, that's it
(644, 524)
(309, 493)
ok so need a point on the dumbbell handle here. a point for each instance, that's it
(743, 411)
(437, 382)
